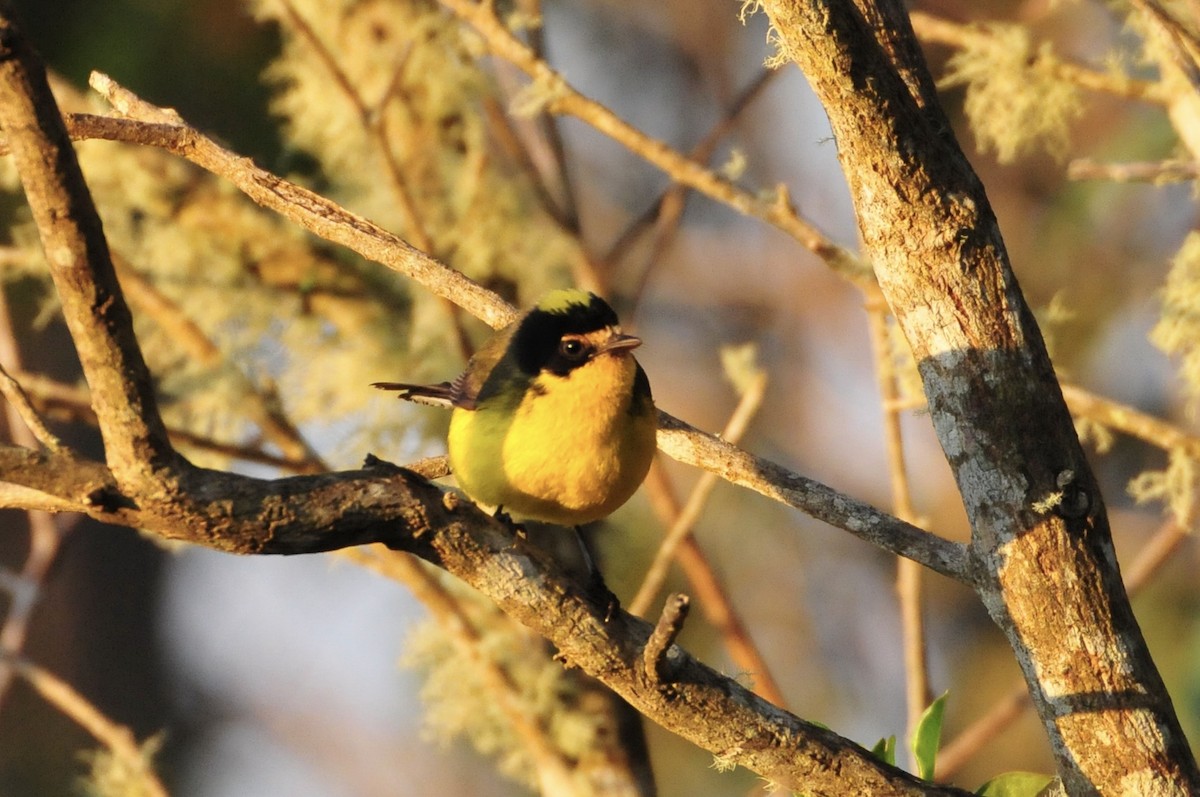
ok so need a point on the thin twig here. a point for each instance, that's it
(664, 214)
(71, 402)
(119, 740)
(1131, 421)
(19, 401)
(1156, 172)
(564, 99)
(670, 623)
(568, 213)
(908, 574)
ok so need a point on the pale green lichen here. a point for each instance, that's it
(1015, 100)
(1178, 329)
(111, 775)
(460, 703)
(1176, 487)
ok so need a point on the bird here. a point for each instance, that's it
(553, 419)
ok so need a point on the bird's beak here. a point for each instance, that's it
(620, 342)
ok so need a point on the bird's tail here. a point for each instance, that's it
(439, 395)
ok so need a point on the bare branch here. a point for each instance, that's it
(563, 99)
(1156, 172)
(16, 397)
(1131, 421)
(694, 447)
(670, 623)
(311, 211)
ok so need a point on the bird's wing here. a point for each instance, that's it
(474, 384)
(480, 379)
(439, 395)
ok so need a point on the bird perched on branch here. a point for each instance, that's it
(553, 418)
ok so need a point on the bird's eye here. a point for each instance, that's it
(572, 350)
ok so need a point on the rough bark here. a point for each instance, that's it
(1043, 556)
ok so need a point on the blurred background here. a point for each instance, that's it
(283, 676)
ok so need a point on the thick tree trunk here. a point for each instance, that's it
(1044, 561)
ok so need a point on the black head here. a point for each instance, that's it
(548, 336)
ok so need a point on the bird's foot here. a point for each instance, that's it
(599, 592)
(516, 528)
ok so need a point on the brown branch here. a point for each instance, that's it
(147, 126)
(655, 656)
(19, 401)
(1131, 421)
(135, 440)
(908, 576)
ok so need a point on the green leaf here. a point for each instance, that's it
(1015, 784)
(885, 750)
(927, 737)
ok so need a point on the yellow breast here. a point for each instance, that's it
(571, 451)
